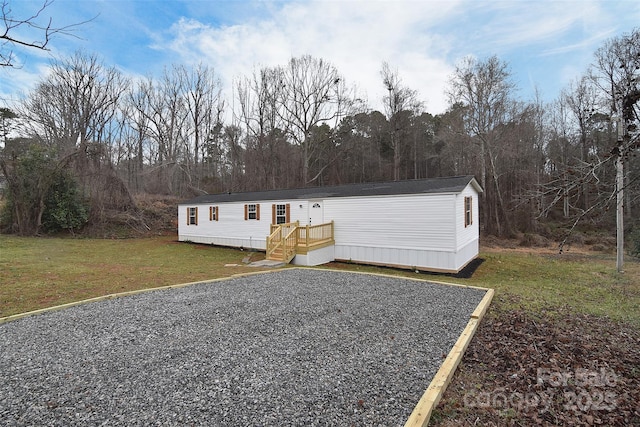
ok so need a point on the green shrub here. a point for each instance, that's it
(634, 242)
(65, 209)
(41, 195)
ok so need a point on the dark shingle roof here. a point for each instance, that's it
(453, 184)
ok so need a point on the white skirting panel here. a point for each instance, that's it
(408, 258)
(316, 257)
(467, 253)
(260, 244)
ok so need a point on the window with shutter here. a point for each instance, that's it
(192, 216)
(281, 214)
(468, 211)
(252, 211)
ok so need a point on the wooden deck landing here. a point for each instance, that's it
(289, 239)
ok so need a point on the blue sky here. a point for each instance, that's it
(546, 43)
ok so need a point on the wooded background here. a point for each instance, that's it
(87, 140)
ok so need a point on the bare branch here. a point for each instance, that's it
(45, 31)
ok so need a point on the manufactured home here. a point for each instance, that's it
(423, 224)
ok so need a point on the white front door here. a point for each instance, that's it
(315, 212)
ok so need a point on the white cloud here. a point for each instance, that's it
(545, 42)
(421, 39)
(355, 36)
(17, 82)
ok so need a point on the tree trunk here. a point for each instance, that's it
(396, 159)
(501, 209)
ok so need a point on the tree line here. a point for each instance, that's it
(87, 139)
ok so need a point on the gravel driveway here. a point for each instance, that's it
(295, 347)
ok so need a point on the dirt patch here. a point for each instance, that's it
(553, 369)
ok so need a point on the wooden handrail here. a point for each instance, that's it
(290, 245)
(291, 236)
(315, 233)
(274, 240)
(285, 226)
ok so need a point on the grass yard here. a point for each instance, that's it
(544, 282)
(564, 313)
(559, 345)
(43, 272)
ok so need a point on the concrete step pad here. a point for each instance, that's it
(267, 263)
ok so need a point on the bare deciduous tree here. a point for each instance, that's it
(72, 112)
(581, 99)
(264, 129)
(178, 119)
(74, 104)
(604, 114)
(312, 93)
(400, 105)
(160, 108)
(560, 149)
(204, 104)
(616, 70)
(485, 89)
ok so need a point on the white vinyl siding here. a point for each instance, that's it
(407, 222)
(468, 234)
(417, 231)
(425, 231)
(231, 229)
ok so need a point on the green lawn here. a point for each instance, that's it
(43, 272)
(553, 283)
(547, 284)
